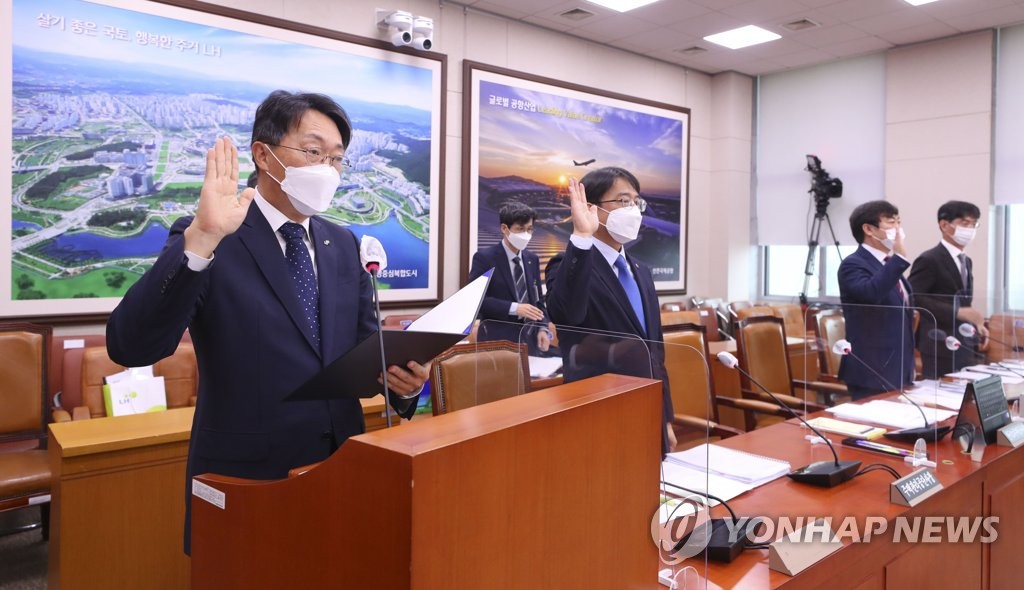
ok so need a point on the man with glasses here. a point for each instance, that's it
(514, 303)
(270, 292)
(944, 285)
(596, 287)
(876, 304)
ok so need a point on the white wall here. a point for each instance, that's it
(939, 138)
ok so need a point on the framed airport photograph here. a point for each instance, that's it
(525, 136)
(111, 106)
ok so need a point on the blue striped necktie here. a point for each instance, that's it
(300, 266)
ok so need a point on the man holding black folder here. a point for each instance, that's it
(271, 294)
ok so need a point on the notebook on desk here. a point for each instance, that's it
(737, 465)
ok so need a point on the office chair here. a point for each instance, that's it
(475, 373)
(25, 476)
(694, 401)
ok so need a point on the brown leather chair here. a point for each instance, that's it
(25, 475)
(707, 316)
(763, 354)
(793, 316)
(61, 348)
(679, 317)
(1008, 329)
(179, 371)
(694, 402)
(673, 306)
(829, 328)
(751, 311)
(475, 373)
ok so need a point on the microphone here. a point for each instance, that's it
(844, 348)
(969, 331)
(953, 344)
(372, 255)
(374, 259)
(824, 474)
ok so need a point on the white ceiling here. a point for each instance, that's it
(847, 27)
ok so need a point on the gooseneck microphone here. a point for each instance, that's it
(844, 348)
(374, 259)
(953, 344)
(824, 474)
(969, 331)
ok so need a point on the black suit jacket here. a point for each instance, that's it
(252, 346)
(940, 292)
(878, 323)
(584, 293)
(501, 292)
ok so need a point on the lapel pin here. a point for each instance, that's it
(327, 242)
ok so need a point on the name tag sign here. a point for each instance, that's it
(915, 488)
(1011, 435)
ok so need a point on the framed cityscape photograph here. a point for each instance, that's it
(525, 136)
(112, 104)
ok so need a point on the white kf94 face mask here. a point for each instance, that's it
(964, 235)
(623, 224)
(519, 240)
(309, 188)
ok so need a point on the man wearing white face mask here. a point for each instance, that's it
(513, 308)
(596, 287)
(271, 294)
(876, 303)
(944, 285)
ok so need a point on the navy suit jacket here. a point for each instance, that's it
(252, 345)
(879, 325)
(585, 293)
(501, 292)
(939, 290)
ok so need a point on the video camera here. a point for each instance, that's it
(823, 186)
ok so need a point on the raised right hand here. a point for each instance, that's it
(584, 214)
(221, 208)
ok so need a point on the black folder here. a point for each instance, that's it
(355, 373)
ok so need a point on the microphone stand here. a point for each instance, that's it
(824, 474)
(904, 434)
(372, 268)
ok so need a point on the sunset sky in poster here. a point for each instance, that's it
(537, 135)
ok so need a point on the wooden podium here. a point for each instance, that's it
(552, 489)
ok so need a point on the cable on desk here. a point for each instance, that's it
(878, 467)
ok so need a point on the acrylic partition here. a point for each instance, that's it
(565, 354)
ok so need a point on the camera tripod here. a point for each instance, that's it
(813, 240)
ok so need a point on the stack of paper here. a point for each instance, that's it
(1013, 384)
(930, 393)
(889, 413)
(731, 464)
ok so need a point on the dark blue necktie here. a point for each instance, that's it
(632, 291)
(300, 266)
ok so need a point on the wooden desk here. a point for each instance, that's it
(118, 505)
(994, 487)
(803, 362)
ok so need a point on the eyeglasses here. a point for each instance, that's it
(315, 156)
(628, 202)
